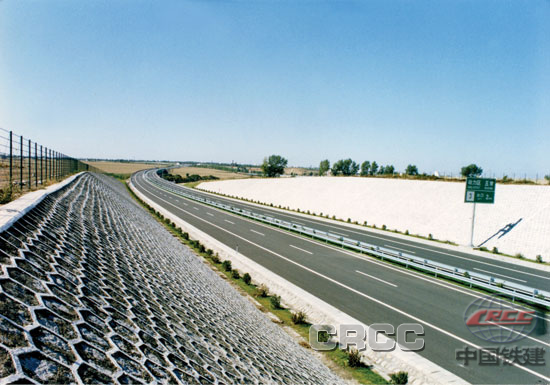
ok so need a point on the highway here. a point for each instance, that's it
(365, 288)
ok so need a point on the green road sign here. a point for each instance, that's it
(480, 190)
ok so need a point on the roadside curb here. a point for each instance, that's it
(420, 369)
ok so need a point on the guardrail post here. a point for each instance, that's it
(11, 159)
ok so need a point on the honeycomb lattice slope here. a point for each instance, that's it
(94, 290)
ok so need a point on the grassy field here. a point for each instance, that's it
(202, 171)
(123, 167)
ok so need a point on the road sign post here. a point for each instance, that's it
(479, 190)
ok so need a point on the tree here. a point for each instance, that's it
(373, 168)
(547, 177)
(365, 167)
(345, 167)
(381, 170)
(389, 170)
(274, 166)
(324, 166)
(411, 170)
(472, 170)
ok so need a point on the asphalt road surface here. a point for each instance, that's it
(370, 290)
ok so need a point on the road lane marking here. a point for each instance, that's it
(502, 275)
(378, 279)
(379, 302)
(397, 248)
(305, 251)
(196, 208)
(335, 232)
(229, 221)
(209, 214)
(257, 232)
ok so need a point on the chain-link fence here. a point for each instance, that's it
(26, 165)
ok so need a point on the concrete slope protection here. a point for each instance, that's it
(366, 289)
(94, 290)
(518, 222)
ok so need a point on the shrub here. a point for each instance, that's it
(519, 255)
(5, 195)
(399, 378)
(466, 274)
(209, 252)
(334, 217)
(365, 223)
(186, 236)
(483, 248)
(349, 220)
(430, 236)
(383, 227)
(226, 265)
(261, 291)
(275, 301)
(354, 358)
(406, 232)
(247, 278)
(323, 336)
(495, 250)
(215, 258)
(539, 258)
(235, 274)
(299, 318)
(202, 249)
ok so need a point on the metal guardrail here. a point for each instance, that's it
(498, 285)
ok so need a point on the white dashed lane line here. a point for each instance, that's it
(378, 279)
(305, 251)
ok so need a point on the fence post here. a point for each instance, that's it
(30, 165)
(11, 159)
(46, 164)
(41, 165)
(21, 163)
(35, 165)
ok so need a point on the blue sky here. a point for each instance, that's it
(436, 83)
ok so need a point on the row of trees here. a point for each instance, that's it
(274, 166)
(350, 167)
